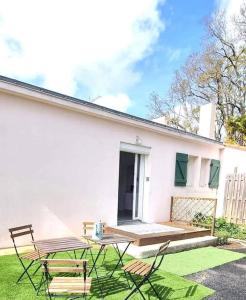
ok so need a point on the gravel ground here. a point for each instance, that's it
(229, 280)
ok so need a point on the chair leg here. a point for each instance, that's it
(34, 273)
(42, 282)
(40, 263)
(26, 272)
(137, 287)
(157, 295)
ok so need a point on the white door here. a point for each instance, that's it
(138, 191)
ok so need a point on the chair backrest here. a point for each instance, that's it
(63, 266)
(88, 227)
(160, 255)
(24, 230)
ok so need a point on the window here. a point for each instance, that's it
(191, 170)
(186, 169)
(204, 172)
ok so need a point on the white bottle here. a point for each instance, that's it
(94, 232)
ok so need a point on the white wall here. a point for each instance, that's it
(232, 158)
(59, 167)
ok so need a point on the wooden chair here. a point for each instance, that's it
(31, 256)
(145, 271)
(88, 227)
(66, 285)
(87, 230)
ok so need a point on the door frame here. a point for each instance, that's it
(144, 151)
(138, 192)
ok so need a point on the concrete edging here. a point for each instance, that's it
(175, 246)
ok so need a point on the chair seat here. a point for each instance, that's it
(137, 267)
(71, 285)
(33, 255)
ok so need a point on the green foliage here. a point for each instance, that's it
(222, 237)
(224, 229)
(236, 130)
(201, 219)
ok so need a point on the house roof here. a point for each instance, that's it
(99, 108)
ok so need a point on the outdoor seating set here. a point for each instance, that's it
(78, 284)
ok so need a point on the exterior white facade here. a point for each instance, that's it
(59, 162)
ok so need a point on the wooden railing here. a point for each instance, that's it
(195, 211)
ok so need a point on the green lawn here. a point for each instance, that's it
(196, 260)
(170, 286)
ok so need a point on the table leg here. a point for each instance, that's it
(97, 257)
(120, 258)
(42, 281)
(94, 266)
(82, 254)
(117, 250)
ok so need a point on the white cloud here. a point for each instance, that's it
(231, 7)
(119, 102)
(94, 43)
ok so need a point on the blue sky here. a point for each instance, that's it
(183, 35)
(112, 52)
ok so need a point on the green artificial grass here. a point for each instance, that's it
(196, 260)
(170, 286)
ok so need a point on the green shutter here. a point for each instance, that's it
(181, 169)
(214, 174)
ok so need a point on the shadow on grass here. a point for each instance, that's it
(169, 286)
(168, 293)
(118, 288)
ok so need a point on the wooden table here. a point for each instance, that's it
(56, 245)
(113, 240)
(52, 246)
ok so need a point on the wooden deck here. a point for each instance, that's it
(156, 238)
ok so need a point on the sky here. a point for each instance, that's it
(112, 52)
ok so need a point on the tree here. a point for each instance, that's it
(217, 74)
(236, 130)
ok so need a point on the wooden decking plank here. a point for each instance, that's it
(156, 238)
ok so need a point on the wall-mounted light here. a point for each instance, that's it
(138, 140)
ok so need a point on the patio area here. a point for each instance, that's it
(168, 280)
(152, 233)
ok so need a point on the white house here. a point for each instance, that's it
(64, 160)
